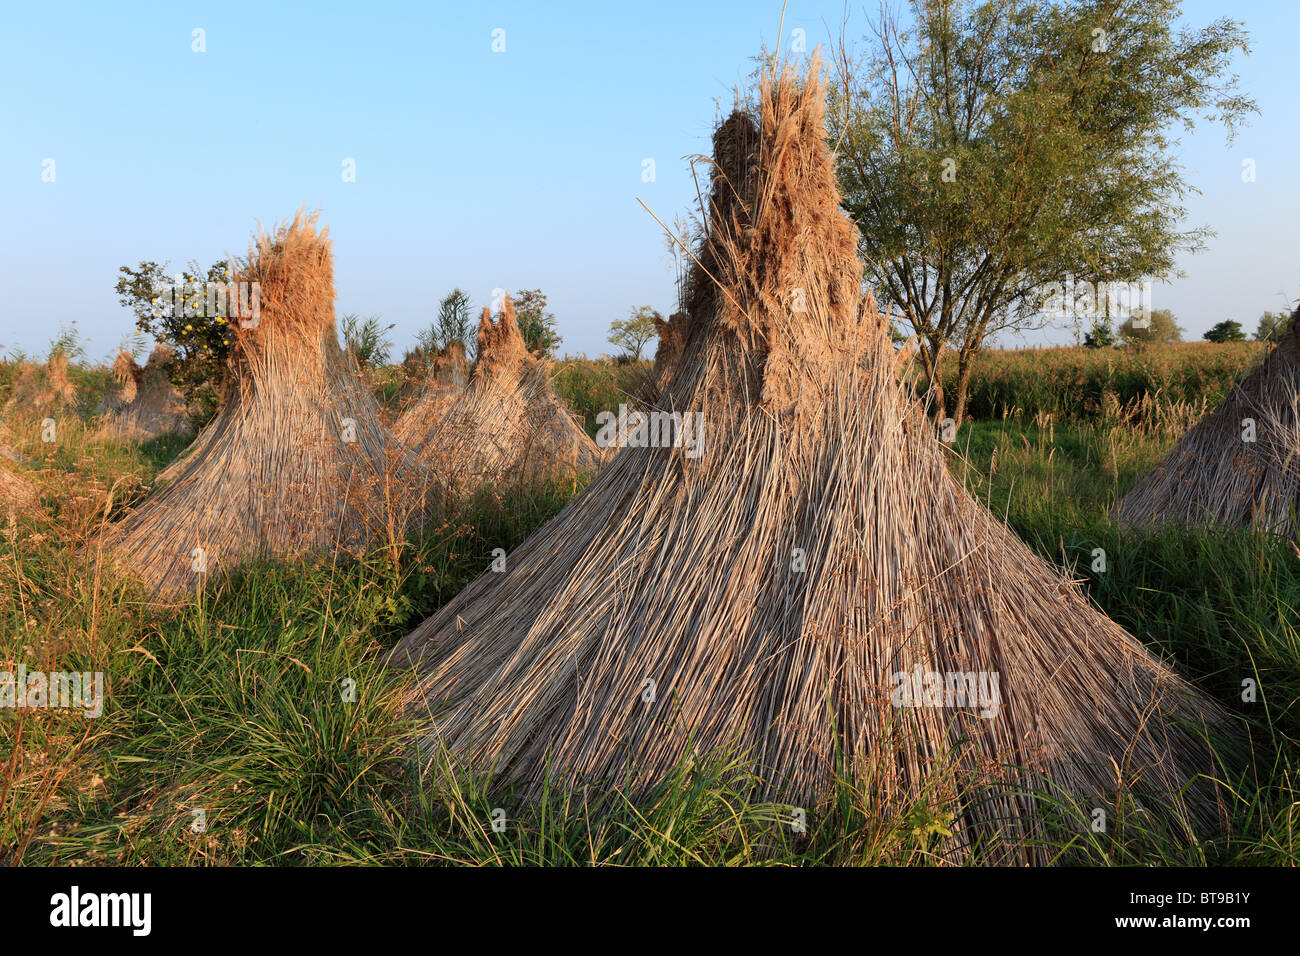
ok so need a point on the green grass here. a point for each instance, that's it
(236, 705)
(590, 386)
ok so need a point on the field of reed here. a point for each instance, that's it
(232, 733)
(1099, 384)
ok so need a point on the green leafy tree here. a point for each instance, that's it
(988, 150)
(178, 316)
(632, 334)
(1272, 326)
(1226, 331)
(537, 325)
(1161, 329)
(1101, 336)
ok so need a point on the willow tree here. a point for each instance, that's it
(990, 150)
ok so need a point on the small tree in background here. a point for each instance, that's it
(366, 340)
(1102, 336)
(1226, 331)
(454, 323)
(1272, 326)
(632, 334)
(1162, 329)
(68, 341)
(200, 343)
(537, 325)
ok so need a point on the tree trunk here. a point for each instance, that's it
(965, 365)
(931, 353)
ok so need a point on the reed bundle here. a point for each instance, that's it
(767, 595)
(16, 493)
(506, 426)
(434, 383)
(1240, 464)
(144, 404)
(43, 389)
(296, 460)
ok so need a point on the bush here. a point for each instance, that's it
(1226, 331)
(200, 342)
(365, 339)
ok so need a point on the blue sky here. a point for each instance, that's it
(517, 169)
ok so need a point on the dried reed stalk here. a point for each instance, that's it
(297, 460)
(1216, 475)
(685, 571)
(16, 493)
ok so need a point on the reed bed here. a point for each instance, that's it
(1082, 383)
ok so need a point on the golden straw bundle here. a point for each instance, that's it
(296, 460)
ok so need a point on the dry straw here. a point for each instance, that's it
(296, 460)
(143, 404)
(506, 426)
(1216, 474)
(16, 493)
(434, 383)
(122, 391)
(671, 335)
(772, 587)
(44, 389)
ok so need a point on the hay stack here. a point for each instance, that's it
(296, 460)
(43, 390)
(123, 390)
(434, 383)
(671, 335)
(1214, 476)
(144, 404)
(506, 425)
(773, 587)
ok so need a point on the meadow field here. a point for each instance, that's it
(258, 724)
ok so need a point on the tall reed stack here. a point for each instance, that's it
(507, 426)
(436, 381)
(143, 403)
(794, 591)
(43, 389)
(296, 460)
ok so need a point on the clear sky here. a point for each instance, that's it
(483, 169)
